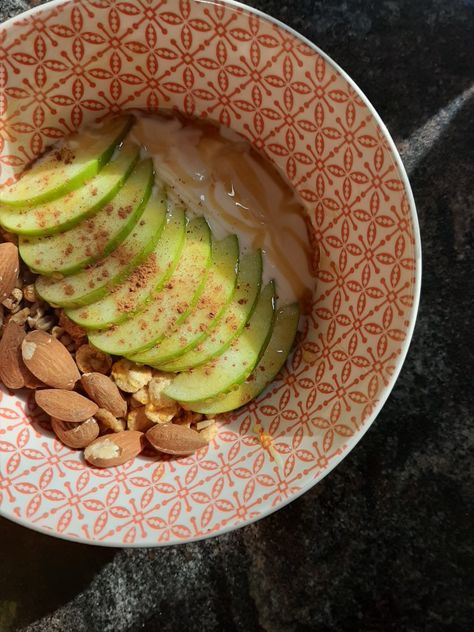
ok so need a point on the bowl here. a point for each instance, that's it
(67, 64)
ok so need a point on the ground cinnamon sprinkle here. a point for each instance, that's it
(137, 280)
(124, 211)
(123, 255)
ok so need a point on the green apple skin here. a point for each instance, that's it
(96, 281)
(219, 289)
(62, 170)
(236, 363)
(96, 237)
(64, 213)
(169, 307)
(272, 360)
(148, 278)
(232, 321)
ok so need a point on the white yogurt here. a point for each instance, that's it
(215, 174)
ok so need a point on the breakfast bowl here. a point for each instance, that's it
(70, 64)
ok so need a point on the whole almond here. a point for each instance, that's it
(9, 266)
(105, 393)
(65, 405)
(13, 372)
(49, 360)
(76, 435)
(114, 449)
(174, 439)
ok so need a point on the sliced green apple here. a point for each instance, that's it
(95, 237)
(148, 277)
(170, 306)
(67, 211)
(274, 357)
(236, 363)
(94, 282)
(220, 286)
(67, 166)
(232, 320)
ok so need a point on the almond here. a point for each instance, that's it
(76, 435)
(49, 360)
(174, 439)
(114, 449)
(9, 266)
(65, 405)
(104, 393)
(13, 371)
(31, 381)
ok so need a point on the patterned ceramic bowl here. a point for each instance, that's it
(69, 63)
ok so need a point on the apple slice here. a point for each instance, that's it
(170, 306)
(95, 237)
(148, 277)
(236, 363)
(94, 282)
(232, 320)
(274, 357)
(68, 165)
(67, 211)
(220, 286)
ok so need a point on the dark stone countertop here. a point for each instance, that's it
(385, 543)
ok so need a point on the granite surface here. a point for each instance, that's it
(385, 543)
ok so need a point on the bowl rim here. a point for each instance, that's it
(353, 441)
